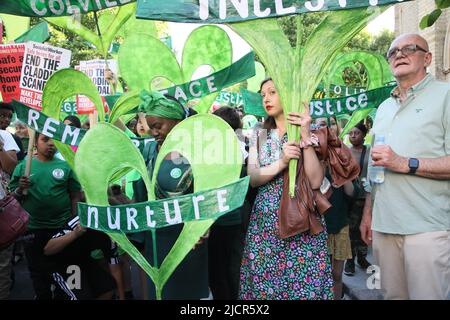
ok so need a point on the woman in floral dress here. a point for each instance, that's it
(272, 268)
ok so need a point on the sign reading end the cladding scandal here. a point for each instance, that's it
(26, 68)
(39, 63)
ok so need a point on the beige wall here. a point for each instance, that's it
(407, 18)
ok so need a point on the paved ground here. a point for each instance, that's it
(355, 287)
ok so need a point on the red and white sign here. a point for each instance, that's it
(11, 58)
(39, 63)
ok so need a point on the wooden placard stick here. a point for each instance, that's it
(31, 135)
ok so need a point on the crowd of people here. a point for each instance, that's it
(406, 218)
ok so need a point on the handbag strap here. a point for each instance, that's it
(361, 160)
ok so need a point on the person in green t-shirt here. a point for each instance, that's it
(51, 198)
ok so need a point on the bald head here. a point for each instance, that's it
(412, 38)
(409, 57)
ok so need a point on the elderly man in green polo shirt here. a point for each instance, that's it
(410, 221)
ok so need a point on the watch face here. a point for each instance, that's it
(413, 163)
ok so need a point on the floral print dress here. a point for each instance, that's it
(272, 268)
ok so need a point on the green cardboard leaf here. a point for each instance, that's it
(118, 154)
(207, 45)
(110, 26)
(297, 74)
(64, 84)
(378, 73)
(143, 58)
(123, 105)
(378, 70)
(213, 165)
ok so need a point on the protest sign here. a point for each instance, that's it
(11, 58)
(39, 63)
(95, 70)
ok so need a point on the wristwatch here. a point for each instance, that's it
(413, 164)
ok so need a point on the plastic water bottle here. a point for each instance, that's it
(376, 174)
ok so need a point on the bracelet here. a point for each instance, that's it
(312, 141)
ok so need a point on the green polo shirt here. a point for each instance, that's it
(48, 199)
(419, 128)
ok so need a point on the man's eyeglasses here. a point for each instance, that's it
(406, 50)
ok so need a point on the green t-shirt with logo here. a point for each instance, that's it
(48, 199)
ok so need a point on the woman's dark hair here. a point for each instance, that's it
(362, 127)
(269, 122)
(74, 121)
(231, 116)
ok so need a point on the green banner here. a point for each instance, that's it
(346, 105)
(342, 90)
(57, 130)
(49, 127)
(239, 71)
(226, 11)
(53, 8)
(231, 99)
(203, 205)
(253, 103)
(326, 107)
(69, 107)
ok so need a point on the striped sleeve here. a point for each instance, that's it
(68, 228)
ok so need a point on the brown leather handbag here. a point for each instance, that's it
(300, 213)
(13, 220)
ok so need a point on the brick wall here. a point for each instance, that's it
(407, 18)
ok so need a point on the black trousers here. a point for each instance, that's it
(38, 266)
(226, 244)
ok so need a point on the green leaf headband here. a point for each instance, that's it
(156, 104)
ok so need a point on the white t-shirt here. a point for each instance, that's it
(8, 141)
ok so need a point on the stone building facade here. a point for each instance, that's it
(407, 19)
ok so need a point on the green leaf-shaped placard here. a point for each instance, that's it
(212, 149)
(110, 28)
(297, 73)
(214, 164)
(64, 84)
(123, 105)
(207, 45)
(378, 71)
(143, 58)
(105, 151)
